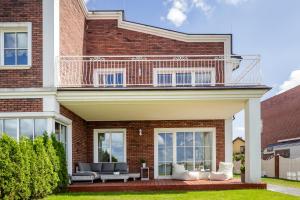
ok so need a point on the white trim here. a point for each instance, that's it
(174, 130)
(192, 70)
(55, 115)
(13, 93)
(114, 71)
(118, 15)
(50, 41)
(290, 139)
(16, 27)
(50, 104)
(95, 137)
(157, 95)
(69, 147)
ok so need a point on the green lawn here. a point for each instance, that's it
(211, 195)
(287, 183)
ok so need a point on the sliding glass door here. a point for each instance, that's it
(192, 148)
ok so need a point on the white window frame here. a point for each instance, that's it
(174, 131)
(193, 71)
(16, 27)
(98, 72)
(97, 131)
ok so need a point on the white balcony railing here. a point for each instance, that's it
(158, 71)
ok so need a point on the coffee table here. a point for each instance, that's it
(105, 177)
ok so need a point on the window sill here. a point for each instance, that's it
(15, 67)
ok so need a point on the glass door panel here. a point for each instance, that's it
(165, 154)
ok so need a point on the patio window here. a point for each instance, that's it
(111, 146)
(193, 148)
(61, 133)
(26, 127)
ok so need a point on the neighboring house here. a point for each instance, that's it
(281, 124)
(114, 90)
(238, 145)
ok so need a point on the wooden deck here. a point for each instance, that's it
(156, 185)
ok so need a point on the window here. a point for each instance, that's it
(15, 44)
(109, 78)
(191, 147)
(183, 79)
(61, 133)
(242, 149)
(194, 150)
(15, 48)
(27, 127)
(184, 76)
(111, 146)
(165, 154)
(164, 79)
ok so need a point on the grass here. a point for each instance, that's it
(286, 183)
(274, 181)
(172, 195)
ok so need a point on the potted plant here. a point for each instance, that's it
(241, 157)
(143, 162)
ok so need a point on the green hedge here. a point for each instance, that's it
(31, 169)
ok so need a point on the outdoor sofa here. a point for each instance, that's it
(103, 171)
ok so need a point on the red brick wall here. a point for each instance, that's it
(79, 136)
(281, 117)
(72, 28)
(24, 11)
(21, 105)
(143, 147)
(103, 37)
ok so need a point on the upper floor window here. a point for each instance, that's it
(15, 44)
(184, 76)
(110, 77)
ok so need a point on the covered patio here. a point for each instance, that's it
(164, 184)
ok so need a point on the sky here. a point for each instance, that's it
(270, 28)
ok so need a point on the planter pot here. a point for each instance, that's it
(243, 178)
(144, 165)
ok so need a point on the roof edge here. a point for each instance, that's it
(158, 31)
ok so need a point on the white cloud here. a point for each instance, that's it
(293, 81)
(205, 7)
(233, 2)
(179, 10)
(177, 13)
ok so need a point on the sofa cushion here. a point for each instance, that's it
(227, 169)
(121, 167)
(217, 176)
(107, 167)
(85, 167)
(178, 171)
(96, 167)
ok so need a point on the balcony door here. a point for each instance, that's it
(192, 147)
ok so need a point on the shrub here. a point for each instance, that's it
(31, 169)
(62, 172)
(10, 174)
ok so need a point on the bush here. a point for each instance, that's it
(31, 169)
(63, 171)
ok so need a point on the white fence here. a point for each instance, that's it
(236, 167)
(286, 168)
(289, 168)
(268, 167)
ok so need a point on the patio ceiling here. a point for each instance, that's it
(153, 105)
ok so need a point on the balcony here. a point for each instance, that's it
(158, 71)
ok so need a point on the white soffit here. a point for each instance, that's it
(118, 15)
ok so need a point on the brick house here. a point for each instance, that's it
(281, 124)
(114, 90)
